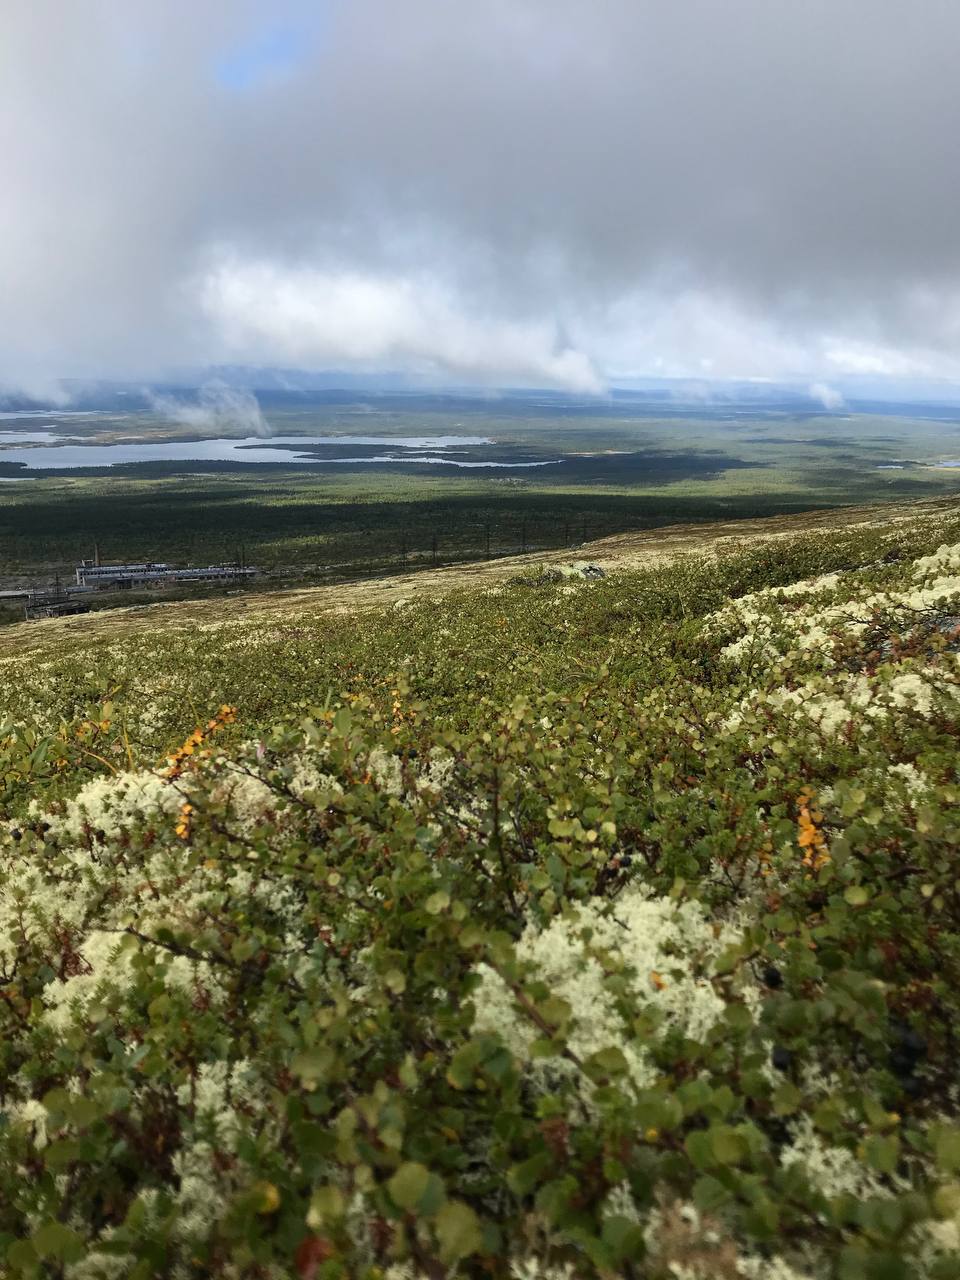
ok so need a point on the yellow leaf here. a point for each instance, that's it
(266, 1197)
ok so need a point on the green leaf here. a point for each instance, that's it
(882, 1153)
(54, 1240)
(947, 1149)
(738, 1017)
(700, 1149)
(84, 1112)
(312, 1065)
(408, 1184)
(61, 1153)
(728, 960)
(709, 1194)
(554, 1010)
(464, 1063)
(414, 1188)
(22, 1256)
(623, 1237)
(884, 1217)
(786, 1099)
(523, 1177)
(159, 1008)
(828, 1116)
(856, 895)
(458, 1231)
(57, 1100)
(327, 1204)
(434, 1196)
(343, 721)
(728, 1146)
(606, 1062)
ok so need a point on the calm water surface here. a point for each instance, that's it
(46, 450)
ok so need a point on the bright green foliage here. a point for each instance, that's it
(567, 930)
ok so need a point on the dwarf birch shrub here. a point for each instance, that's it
(519, 935)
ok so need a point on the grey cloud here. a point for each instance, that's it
(757, 187)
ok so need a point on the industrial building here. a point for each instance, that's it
(52, 605)
(93, 575)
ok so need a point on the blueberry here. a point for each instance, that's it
(17, 835)
(772, 977)
(778, 1132)
(781, 1058)
(902, 1064)
(909, 1047)
(914, 1044)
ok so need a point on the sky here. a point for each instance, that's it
(508, 193)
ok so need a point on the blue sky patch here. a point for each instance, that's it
(272, 51)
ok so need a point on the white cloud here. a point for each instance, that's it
(681, 193)
(263, 311)
(828, 396)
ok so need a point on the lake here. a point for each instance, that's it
(46, 450)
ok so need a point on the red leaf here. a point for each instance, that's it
(311, 1251)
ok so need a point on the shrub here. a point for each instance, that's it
(550, 935)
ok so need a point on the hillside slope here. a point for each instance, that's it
(621, 551)
(543, 928)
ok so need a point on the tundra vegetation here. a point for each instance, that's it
(627, 471)
(567, 928)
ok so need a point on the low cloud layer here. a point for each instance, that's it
(217, 407)
(309, 319)
(529, 191)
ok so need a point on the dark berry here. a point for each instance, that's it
(17, 835)
(902, 1063)
(915, 1045)
(772, 977)
(778, 1132)
(781, 1058)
